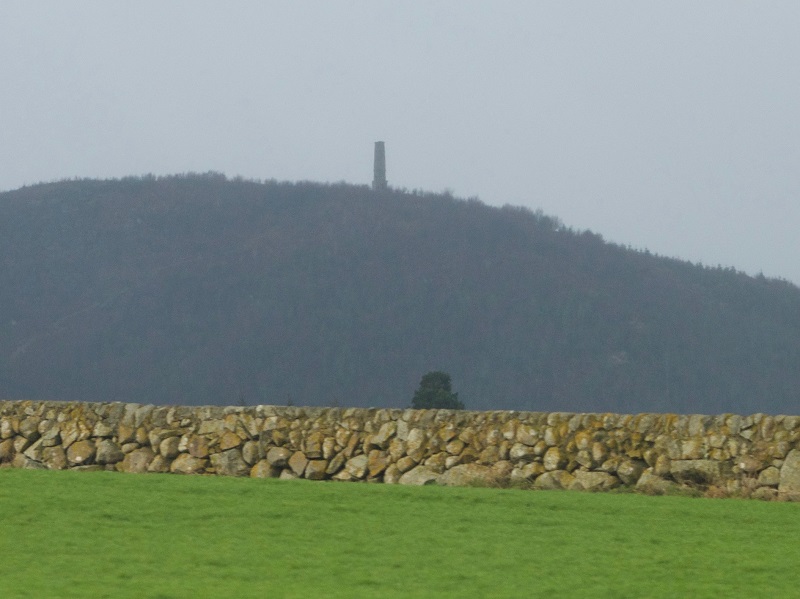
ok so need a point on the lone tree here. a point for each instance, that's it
(434, 392)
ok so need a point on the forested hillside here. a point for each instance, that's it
(201, 290)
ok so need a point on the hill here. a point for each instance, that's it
(197, 289)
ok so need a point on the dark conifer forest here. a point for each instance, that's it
(197, 289)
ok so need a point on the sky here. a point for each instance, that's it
(671, 126)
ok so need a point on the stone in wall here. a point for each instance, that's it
(136, 461)
(108, 452)
(229, 463)
(629, 471)
(279, 456)
(55, 458)
(789, 482)
(356, 467)
(594, 481)
(81, 453)
(188, 464)
(652, 484)
(316, 469)
(297, 463)
(421, 475)
(697, 472)
(263, 469)
(553, 480)
(466, 474)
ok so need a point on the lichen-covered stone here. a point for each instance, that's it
(81, 453)
(629, 471)
(51, 436)
(391, 476)
(298, 462)
(551, 436)
(769, 477)
(489, 455)
(467, 435)
(125, 433)
(279, 456)
(415, 444)
(22, 461)
(356, 467)
(7, 429)
(397, 449)
(527, 473)
(383, 436)
(554, 480)
(521, 452)
(527, 435)
(466, 474)
(312, 448)
(55, 458)
(584, 459)
(790, 474)
(263, 469)
(211, 427)
(662, 466)
(230, 463)
(455, 447)
(159, 464)
(6, 450)
(452, 461)
(251, 452)
(29, 428)
(594, 481)
(316, 469)
(129, 447)
(103, 429)
(329, 448)
(749, 465)
(169, 447)
(229, 440)
(650, 484)
(34, 452)
(20, 444)
(437, 462)
(343, 475)
(188, 464)
(137, 461)
(583, 440)
(699, 472)
(108, 452)
(554, 459)
(197, 446)
(142, 436)
(765, 493)
(421, 475)
(336, 463)
(405, 464)
(692, 449)
(501, 471)
(354, 442)
(377, 461)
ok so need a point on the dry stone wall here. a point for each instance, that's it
(753, 456)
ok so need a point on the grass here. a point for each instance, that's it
(70, 534)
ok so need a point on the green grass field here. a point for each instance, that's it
(88, 535)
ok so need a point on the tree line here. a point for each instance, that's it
(198, 289)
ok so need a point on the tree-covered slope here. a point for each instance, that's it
(199, 290)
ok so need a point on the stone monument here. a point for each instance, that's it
(379, 180)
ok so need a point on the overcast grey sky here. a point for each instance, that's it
(666, 125)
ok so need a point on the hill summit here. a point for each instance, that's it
(197, 289)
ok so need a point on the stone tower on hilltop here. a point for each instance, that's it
(379, 180)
